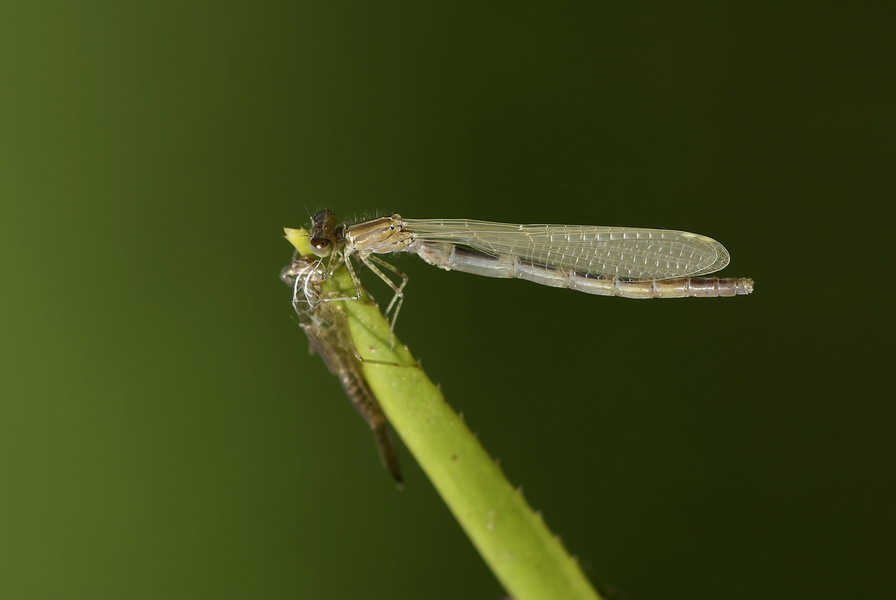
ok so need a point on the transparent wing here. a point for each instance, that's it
(630, 252)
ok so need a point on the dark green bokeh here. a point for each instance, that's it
(163, 432)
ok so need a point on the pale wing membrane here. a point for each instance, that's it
(626, 252)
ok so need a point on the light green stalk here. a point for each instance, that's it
(528, 560)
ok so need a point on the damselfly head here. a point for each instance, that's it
(323, 233)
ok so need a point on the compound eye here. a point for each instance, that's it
(321, 246)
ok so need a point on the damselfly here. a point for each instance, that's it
(630, 262)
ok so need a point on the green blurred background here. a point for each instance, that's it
(164, 432)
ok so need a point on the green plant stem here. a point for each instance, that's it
(528, 560)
